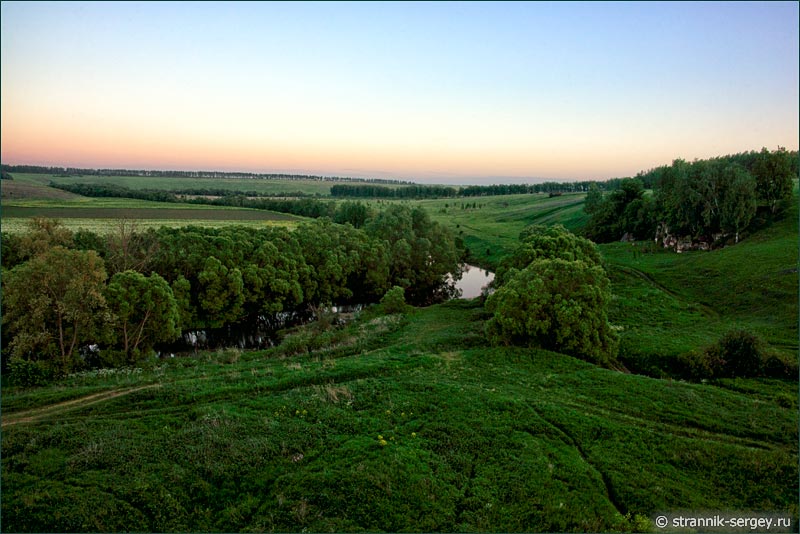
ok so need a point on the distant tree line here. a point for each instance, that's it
(72, 300)
(116, 191)
(73, 171)
(704, 200)
(408, 191)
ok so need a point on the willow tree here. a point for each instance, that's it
(145, 311)
(54, 303)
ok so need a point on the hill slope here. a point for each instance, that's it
(401, 424)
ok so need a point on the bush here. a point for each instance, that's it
(28, 373)
(394, 301)
(558, 305)
(738, 353)
(742, 353)
(702, 364)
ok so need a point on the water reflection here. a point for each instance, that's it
(473, 280)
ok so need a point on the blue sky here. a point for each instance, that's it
(439, 92)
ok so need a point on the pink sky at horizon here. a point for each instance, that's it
(402, 91)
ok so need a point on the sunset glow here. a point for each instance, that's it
(430, 92)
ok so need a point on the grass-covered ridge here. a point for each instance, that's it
(398, 424)
(669, 303)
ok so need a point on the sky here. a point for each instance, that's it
(433, 92)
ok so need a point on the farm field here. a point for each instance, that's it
(412, 424)
(99, 214)
(169, 183)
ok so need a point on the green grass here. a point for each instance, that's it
(476, 438)
(671, 303)
(100, 215)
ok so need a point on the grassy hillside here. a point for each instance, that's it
(400, 424)
(671, 303)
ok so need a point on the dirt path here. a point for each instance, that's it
(51, 410)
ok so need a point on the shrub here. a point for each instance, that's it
(742, 353)
(556, 304)
(701, 364)
(29, 373)
(738, 353)
(394, 301)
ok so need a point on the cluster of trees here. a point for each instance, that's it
(701, 200)
(73, 171)
(116, 191)
(355, 213)
(124, 293)
(160, 195)
(408, 191)
(553, 292)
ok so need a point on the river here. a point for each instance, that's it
(473, 280)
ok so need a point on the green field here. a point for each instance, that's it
(403, 424)
(100, 215)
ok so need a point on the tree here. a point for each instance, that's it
(593, 199)
(145, 311)
(423, 252)
(558, 305)
(739, 205)
(773, 174)
(624, 211)
(546, 242)
(54, 304)
(43, 234)
(220, 296)
(129, 249)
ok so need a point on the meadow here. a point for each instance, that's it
(400, 423)
(413, 422)
(100, 215)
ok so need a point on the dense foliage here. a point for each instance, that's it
(56, 300)
(705, 200)
(546, 242)
(376, 191)
(553, 292)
